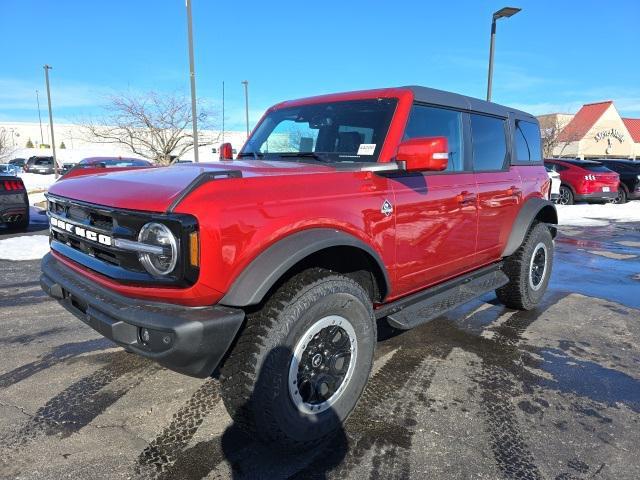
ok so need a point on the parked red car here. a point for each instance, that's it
(584, 181)
(93, 165)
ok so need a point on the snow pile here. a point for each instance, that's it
(34, 182)
(596, 215)
(30, 247)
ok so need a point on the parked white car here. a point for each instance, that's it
(554, 191)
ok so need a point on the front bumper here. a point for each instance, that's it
(189, 340)
(596, 197)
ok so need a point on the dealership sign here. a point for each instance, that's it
(617, 134)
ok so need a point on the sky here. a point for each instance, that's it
(553, 56)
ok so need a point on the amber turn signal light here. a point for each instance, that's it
(194, 249)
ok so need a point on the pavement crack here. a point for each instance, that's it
(17, 407)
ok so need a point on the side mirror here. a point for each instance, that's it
(226, 151)
(424, 153)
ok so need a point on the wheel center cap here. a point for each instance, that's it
(316, 361)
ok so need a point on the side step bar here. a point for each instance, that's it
(421, 307)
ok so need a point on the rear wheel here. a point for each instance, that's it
(528, 269)
(302, 361)
(566, 196)
(621, 197)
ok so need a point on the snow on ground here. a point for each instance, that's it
(597, 215)
(32, 247)
(34, 182)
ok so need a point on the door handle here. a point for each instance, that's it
(464, 198)
(513, 191)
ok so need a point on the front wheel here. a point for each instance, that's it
(528, 269)
(302, 361)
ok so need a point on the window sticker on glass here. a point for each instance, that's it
(366, 148)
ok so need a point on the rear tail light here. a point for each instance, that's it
(11, 185)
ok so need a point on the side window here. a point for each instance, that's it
(527, 142)
(489, 143)
(438, 122)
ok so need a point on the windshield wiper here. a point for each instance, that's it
(315, 156)
(255, 155)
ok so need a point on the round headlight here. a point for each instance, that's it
(158, 264)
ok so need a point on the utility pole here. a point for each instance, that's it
(192, 75)
(246, 103)
(39, 117)
(53, 140)
(223, 111)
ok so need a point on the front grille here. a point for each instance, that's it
(117, 263)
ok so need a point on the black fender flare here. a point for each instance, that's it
(255, 281)
(533, 208)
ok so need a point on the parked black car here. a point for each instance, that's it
(629, 172)
(14, 203)
(43, 165)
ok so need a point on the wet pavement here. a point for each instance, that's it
(483, 392)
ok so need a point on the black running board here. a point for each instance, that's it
(421, 307)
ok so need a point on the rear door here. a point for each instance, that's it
(498, 183)
(436, 214)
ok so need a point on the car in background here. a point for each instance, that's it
(18, 163)
(584, 181)
(629, 172)
(554, 178)
(93, 165)
(14, 203)
(8, 169)
(42, 165)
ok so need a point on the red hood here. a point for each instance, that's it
(154, 189)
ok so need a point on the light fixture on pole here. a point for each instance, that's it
(246, 103)
(39, 117)
(502, 13)
(53, 140)
(192, 75)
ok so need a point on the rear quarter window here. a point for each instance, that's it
(528, 142)
(488, 136)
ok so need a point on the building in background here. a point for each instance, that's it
(72, 144)
(596, 131)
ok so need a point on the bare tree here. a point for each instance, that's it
(6, 144)
(550, 131)
(154, 126)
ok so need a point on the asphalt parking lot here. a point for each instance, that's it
(484, 392)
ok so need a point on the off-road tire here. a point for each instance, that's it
(254, 377)
(518, 293)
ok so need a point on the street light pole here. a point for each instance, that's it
(53, 140)
(39, 117)
(502, 13)
(246, 103)
(192, 75)
(223, 111)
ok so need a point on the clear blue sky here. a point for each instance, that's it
(552, 56)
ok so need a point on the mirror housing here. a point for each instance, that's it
(424, 154)
(226, 151)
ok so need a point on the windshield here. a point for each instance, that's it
(349, 131)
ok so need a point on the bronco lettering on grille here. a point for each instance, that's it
(81, 231)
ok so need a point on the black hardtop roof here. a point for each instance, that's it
(455, 100)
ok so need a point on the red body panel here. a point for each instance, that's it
(432, 235)
(81, 172)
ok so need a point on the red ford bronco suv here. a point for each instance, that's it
(272, 270)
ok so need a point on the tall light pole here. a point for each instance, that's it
(192, 75)
(223, 111)
(39, 117)
(502, 13)
(246, 103)
(53, 140)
